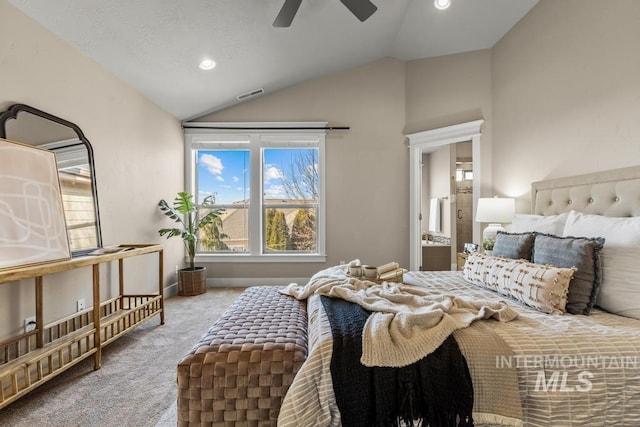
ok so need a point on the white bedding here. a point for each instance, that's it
(571, 370)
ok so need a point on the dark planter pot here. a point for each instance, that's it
(192, 281)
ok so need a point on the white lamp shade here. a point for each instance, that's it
(495, 210)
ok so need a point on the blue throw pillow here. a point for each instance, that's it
(514, 245)
(580, 252)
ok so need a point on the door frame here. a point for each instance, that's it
(426, 142)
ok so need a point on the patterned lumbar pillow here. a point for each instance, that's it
(543, 287)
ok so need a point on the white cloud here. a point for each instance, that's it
(275, 192)
(219, 178)
(212, 163)
(236, 179)
(272, 172)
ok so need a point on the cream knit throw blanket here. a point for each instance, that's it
(406, 323)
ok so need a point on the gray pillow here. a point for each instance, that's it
(579, 252)
(514, 245)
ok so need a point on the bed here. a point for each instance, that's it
(543, 367)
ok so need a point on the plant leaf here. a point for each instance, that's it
(172, 232)
(170, 212)
(183, 203)
(210, 217)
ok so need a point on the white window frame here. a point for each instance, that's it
(205, 135)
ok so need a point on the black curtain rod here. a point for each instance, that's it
(265, 128)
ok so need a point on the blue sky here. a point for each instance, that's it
(226, 173)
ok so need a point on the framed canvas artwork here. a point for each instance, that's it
(32, 222)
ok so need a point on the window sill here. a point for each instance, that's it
(260, 258)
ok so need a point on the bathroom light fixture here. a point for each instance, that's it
(442, 4)
(207, 64)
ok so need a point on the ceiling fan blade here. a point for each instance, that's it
(288, 11)
(362, 9)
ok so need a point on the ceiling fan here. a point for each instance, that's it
(362, 9)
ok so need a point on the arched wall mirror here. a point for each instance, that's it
(28, 125)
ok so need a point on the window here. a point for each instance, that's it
(464, 171)
(270, 184)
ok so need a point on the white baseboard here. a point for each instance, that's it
(171, 290)
(240, 282)
(244, 282)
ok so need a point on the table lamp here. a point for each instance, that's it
(495, 211)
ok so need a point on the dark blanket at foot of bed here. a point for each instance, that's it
(435, 391)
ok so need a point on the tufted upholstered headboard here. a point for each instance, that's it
(611, 193)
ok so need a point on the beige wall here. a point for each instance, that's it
(138, 155)
(448, 90)
(566, 93)
(439, 182)
(367, 182)
(452, 89)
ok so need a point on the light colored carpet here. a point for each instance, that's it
(170, 416)
(136, 385)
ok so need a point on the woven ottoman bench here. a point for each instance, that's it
(239, 371)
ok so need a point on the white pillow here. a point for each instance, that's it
(616, 231)
(620, 288)
(552, 224)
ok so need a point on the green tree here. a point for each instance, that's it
(211, 238)
(268, 224)
(301, 183)
(303, 230)
(278, 238)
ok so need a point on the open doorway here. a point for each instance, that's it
(446, 205)
(464, 195)
(427, 142)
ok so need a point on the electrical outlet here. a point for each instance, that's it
(80, 304)
(29, 324)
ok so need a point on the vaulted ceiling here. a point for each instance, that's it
(156, 45)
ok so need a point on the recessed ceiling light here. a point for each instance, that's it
(207, 64)
(442, 4)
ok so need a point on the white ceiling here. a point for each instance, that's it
(156, 45)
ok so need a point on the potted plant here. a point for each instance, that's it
(488, 244)
(192, 279)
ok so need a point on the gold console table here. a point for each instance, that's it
(32, 358)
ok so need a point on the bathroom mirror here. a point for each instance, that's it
(28, 125)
